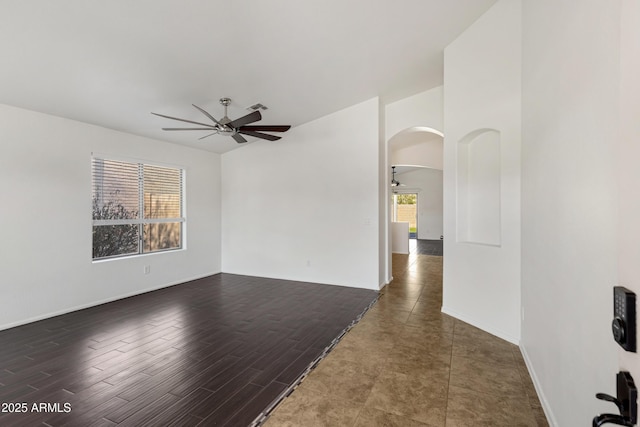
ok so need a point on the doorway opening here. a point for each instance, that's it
(405, 209)
(415, 159)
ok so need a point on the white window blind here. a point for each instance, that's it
(137, 208)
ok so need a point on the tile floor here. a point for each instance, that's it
(407, 364)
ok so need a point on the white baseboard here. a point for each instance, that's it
(493, 331)
(536, 383)
(100, 302)
(384, 284)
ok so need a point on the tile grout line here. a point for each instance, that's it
(260, 419)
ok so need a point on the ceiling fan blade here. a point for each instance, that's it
(245, 120)
(186, 128)
(206, 114)
(185, 120)
(206, 136)
(239, 138)
(267, 128)
(260, 135)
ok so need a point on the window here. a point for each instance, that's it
(137, 208)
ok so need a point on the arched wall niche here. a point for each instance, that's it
(478, 188)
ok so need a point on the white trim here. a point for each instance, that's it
(536, 384)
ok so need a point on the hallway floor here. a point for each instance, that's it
(407, 364)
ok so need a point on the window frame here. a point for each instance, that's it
(140, 221)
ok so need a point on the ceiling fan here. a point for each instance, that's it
(232, 128)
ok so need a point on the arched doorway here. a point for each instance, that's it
(417, 154)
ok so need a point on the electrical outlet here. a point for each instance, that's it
(147, 269)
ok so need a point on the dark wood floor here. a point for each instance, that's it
(215, 351)
(428, 247)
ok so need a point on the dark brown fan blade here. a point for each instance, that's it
(206, 136)
(245, 120)
(185, 120)
(186, 128)
(267, 128)
(239, 138)
(260, 135)
(206, 114)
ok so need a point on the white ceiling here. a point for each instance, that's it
(111, 63)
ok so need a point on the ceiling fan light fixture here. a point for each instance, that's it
(233, 128)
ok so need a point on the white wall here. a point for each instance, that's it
(411, 147)
(384, 254)
(428, 183)
(307, 207)
(570, 94)
(422, 109)
(45, 182)
(627, 167)
(482, 91)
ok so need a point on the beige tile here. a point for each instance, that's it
(342, 379)
(370, 417)
(484, 377)
(400, 285)
(474, 343)
(465, 330)
(389, 312)
(426, 307)
(487, 410)
(369, 342)
(428, 295)
(311, 409)
(419, 362)
(377, 331)
(371, 361)
(442, 322)
(432, 340)
(540, 418)
(432, 315)
(373, 323)
(408, 364)
(416, 397)
(397, 301)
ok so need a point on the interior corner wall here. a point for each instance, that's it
(570, 90)
(482, 91)
(45, 180)
(306, 207)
